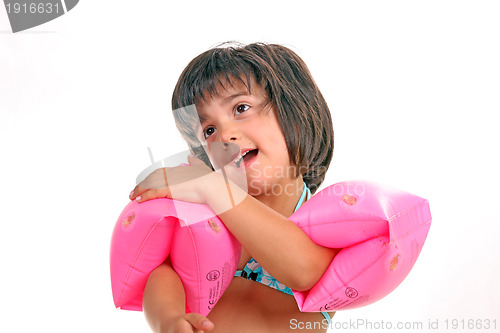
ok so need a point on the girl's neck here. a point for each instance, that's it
(289, 194)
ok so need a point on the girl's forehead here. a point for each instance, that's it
(227, 92)
(227, 87)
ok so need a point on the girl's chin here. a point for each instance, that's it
(258, 187)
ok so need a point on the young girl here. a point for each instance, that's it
(263, 99)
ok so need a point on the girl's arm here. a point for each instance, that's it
(275, 242)
(164, 304)
(279, 245)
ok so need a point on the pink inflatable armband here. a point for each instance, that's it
(204, 254)
(380, 231)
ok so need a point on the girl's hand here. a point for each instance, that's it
(185, 183)
(188, 323)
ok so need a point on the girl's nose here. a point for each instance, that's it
(228, 133)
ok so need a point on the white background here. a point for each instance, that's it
(414, 92)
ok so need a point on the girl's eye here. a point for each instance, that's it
(208, 131)
(241, 108)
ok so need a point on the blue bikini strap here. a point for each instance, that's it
(305, 192)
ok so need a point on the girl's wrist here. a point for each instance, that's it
(222, 194)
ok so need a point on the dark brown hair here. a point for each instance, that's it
(302, 111)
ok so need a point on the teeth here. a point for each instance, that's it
(241, 158)
(238, 162)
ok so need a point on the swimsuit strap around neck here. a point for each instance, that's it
(305, 192)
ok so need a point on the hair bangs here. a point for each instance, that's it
(211, 74)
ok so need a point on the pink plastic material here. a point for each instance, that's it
(381, 232)
(203, 253)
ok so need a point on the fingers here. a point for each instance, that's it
(153, 194)
(155, 182)
(137, 191)
(160, 183)
(199, 322)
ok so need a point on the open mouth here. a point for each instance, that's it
(246, 157)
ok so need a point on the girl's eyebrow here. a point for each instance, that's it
(229, 98)
(201, 114)
(225, 100)
(201, 118)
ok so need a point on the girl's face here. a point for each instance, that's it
(245, 119)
